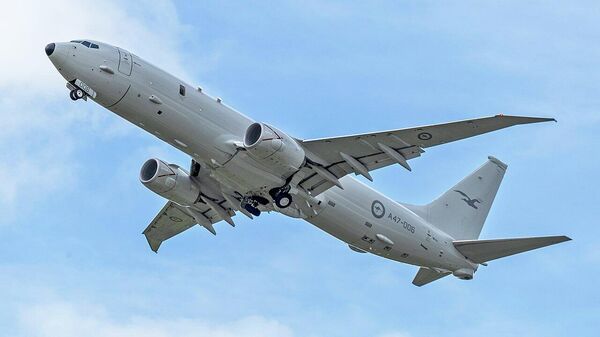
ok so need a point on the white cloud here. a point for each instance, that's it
(38, 147)
(71, 320)
(27, 26)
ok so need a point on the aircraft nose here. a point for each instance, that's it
(50, 48)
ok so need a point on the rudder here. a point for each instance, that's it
(462, 210)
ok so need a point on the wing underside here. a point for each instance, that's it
(174, 219)
(363, 153)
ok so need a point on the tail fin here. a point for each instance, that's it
(481, 251)
(462, 210)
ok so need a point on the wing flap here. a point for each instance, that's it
(481, 251)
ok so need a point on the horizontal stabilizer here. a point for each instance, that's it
(426, 275)
(481, 251)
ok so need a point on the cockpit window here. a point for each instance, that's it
(87, 44)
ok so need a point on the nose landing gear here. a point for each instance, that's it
(76, 94)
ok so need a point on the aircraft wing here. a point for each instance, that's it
(173, 219)
(333, 158)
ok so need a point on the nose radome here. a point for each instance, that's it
(50, 48)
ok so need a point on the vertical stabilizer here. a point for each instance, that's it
(462, 210)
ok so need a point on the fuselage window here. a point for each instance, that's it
(182, 90)
(87, 44)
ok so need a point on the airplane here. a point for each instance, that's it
(239, 165)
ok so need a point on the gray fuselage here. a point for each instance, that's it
(207, 130)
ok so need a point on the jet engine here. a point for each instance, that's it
(274, 148)
(169, 181)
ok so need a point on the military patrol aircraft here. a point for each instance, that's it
(239, 165)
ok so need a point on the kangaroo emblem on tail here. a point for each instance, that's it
(467, 199)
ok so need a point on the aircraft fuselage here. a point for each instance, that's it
(209, 131)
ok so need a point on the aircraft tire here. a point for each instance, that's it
(78, 93)
(283, 200)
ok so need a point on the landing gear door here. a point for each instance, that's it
(125, 62)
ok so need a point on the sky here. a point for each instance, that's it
(73, 261)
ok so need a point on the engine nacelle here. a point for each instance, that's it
(274, 148)
(169, 181)
(464, 273)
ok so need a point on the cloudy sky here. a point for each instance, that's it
(73, 262)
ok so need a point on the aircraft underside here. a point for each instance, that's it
(239, 165)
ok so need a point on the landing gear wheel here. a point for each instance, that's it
(253, 210)
(76, 94)
(283, 200)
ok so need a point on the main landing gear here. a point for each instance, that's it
(251, 204)
(76, 94)
(281, 196)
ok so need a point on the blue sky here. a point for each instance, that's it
(73, 261)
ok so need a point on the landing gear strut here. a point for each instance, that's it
(76, 94)
(281, 196)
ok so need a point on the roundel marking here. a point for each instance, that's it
(424, 136)
(176, 219)
(377, 209)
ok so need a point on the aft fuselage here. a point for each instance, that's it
(210, 132)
